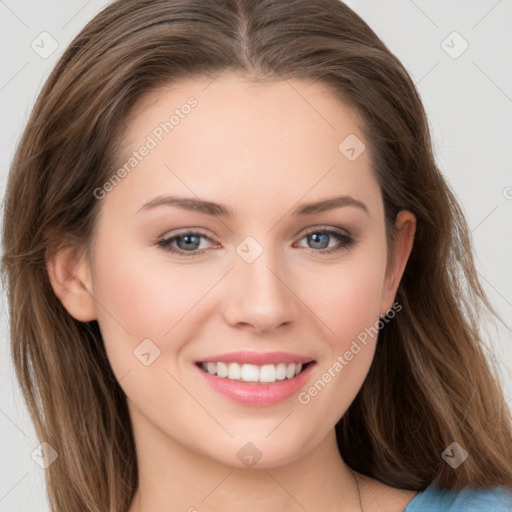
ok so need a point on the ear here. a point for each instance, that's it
(405, 229)
(70, 277)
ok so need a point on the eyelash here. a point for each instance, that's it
(345, 240)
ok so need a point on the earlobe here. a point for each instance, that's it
(70, 277)
(405, 229)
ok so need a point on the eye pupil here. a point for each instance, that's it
(315, 237)
(187, 244)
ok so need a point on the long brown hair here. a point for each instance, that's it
(430, 383)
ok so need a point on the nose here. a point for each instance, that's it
(260, 295)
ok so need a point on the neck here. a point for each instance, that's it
(169, 473)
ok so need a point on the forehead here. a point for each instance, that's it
(238, 140)
(232, 101)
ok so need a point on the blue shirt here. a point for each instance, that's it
(435, 499)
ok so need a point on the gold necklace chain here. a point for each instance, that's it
(358, 490)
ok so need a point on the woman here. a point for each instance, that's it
(238, 276)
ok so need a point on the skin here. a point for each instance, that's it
(262, 149)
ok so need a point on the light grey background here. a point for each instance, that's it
(468, 98)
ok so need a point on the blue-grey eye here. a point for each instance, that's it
(189, 242)
(318, 240)
(184, 244)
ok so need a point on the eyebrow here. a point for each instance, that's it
(210, 208)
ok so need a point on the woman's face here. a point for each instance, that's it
(251, 282)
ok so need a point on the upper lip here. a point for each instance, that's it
(257, 358)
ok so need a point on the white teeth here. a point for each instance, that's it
(222, 370)
(252, 373)
(234, 372)
(268, 373)
(281, 371)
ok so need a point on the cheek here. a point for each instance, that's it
(345, 296)
(347, 299)
(139, 298)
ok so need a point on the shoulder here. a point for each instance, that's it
(495, 499)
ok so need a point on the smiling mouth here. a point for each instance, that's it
(264, 374)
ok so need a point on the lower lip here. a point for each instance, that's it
(257, 394)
